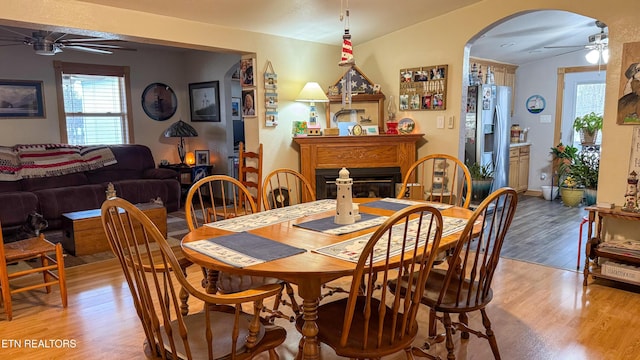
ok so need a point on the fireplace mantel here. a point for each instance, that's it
(330, 152)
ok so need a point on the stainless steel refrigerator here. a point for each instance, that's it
(487, 130)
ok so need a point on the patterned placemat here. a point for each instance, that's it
(275, 216)
(351, 249)
(243, 249)
(328, 226)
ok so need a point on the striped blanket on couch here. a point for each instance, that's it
(40, 160)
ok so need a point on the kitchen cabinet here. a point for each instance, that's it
(519, 167)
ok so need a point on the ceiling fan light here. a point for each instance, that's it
(593, 56)
(605, 55)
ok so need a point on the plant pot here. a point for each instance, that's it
(548, 193)
(480, 189)
(590, 196)
(571, 197)
(588, 139)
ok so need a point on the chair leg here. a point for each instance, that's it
(490, 335)
(463, 318)
(44, 260)
(62, 280)
(448, 328)
(432, 323)
(6, 293)
(584, 221)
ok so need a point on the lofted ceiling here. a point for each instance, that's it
(517, 40)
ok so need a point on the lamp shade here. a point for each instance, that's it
(312, 92)
(180, 129)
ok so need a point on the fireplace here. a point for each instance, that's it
(367, 182)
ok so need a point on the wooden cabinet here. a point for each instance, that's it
(610, 262)
(519, 167)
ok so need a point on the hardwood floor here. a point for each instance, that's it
(538, 312)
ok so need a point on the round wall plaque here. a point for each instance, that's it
(535, 104)
(159, 101)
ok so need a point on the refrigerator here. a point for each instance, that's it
(487, 130)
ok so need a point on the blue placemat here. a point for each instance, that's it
(243, 249)
(327, 224)
(386, 205)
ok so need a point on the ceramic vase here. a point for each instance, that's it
(571, 197)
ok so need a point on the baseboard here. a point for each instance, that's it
(533, 193)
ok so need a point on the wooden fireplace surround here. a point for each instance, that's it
(371, 151)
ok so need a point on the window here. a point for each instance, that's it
(96, 106)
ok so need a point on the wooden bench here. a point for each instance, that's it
(82, 232)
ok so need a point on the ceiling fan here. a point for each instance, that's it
(51, 43)
(598, 45)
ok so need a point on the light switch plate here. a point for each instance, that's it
(450, 122)
(440, 122)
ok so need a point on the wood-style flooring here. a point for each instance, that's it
(546, 232)
(538, 312)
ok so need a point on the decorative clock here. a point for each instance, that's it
(159, 101)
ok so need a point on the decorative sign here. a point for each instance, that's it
(634, 161)
(536, 104)
(424, 88)
(629, 100)
(271, 95)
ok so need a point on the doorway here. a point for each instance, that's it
(580, 90)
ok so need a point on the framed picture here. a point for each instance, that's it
(235, 108)
(247, 67)
(21, 99)
(249, 103)
(204, 99)
(202, 157)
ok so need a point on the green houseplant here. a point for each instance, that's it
(585, 169)
(588, 126)
(481, 181)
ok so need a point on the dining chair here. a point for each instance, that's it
(219, 197)
(284, 187)
(465, 286)
(250, 172)
(439, 178)
(33, 248)
(220, 330)
(377, 323)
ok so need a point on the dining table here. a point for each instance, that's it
(315, 262)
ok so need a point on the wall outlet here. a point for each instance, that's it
(440, 122)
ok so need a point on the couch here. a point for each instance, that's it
(133, 175)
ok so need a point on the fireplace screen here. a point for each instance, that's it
(367, 182)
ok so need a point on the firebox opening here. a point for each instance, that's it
(367, 182)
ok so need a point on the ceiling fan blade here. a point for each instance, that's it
(104, 46)
(88, 49)
(565, 47)
(89, 40)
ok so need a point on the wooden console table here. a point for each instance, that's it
(594, 254)
(371, 151)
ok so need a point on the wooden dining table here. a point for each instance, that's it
(308, 270)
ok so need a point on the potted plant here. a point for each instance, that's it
(588, 127)
(571, 191)
(481, 181)
(586, 168)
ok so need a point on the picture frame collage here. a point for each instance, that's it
(247, 82)
(271, 95)
(423, 88)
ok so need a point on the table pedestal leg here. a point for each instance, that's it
(309, 348)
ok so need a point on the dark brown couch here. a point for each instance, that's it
(134, 176)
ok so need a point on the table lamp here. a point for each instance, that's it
(312, 93)
(182, 130)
